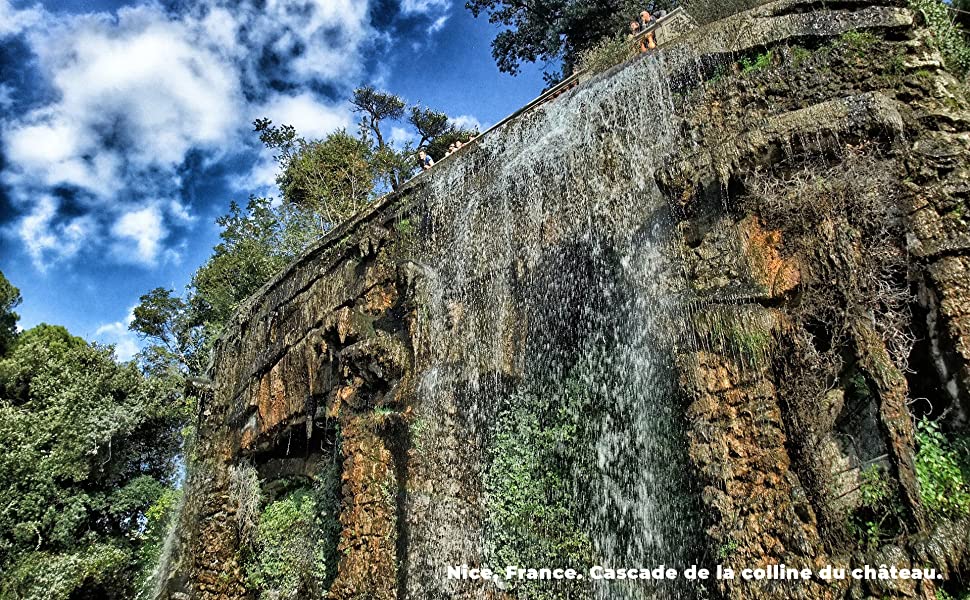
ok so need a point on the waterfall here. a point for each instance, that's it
(548, 285)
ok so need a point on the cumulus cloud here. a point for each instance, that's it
(13, 21)
(401, 136)
(311, 118)
(136, 92)
(424, 6)
(139, 234)
(468, 122)
(6, 96)
(46, 236)
(117, 333)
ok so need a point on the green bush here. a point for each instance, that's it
(293, 554)
(859, 40)
(100, 568)
(943, 483)
(756, 63)
(534, 511)
(950, 39)
(878, 517)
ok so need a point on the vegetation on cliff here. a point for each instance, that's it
(556, 31)
(87, 469)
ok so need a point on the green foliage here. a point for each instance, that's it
(750, 340)
(376, 106)
(429, 124)
(332, 178)
(877, 518)
(756, 63)
(727, 549)
(533, 506)
(9, 300)
(859, 40)
(404, 227)
(948, 36)
(176, 345)
(555, 30)
(943, 481)
(160, 517)
(606, 53)
(256, 243)
(800, 54)
(89, 446)
(942, 594)
(99, 570)
(294, 551)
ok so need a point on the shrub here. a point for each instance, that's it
(950, 39)
(47, 576)
(293, 554)
(756, 63)
(533, 510)
(943, 483)
(877, 519)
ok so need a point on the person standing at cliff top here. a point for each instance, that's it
(424, 160)
(646, 20)
(634, 32)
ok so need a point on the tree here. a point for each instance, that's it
(256, 242)
(90, 446)
(554, 30)
(176, 346)
(438, 147)
(333, 178)
(437, 131)
(376, 106)
(9, 300)
(429, 124)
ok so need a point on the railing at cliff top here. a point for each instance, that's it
(677, 14)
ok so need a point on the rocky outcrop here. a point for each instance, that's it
(796, 216)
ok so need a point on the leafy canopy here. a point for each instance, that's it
(89, 446)
(555, 31)
(9, 300)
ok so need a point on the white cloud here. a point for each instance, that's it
(13, 21)
(141, 233)
(311, 118)
(117, 333)
(261, 179)
(46, 239)
(468, 122)
(6, 96)
(424, 6)
(143, 84)
(401, 136)
(180, 212)
(136, 92)
(438, 24)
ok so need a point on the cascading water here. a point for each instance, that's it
(551, 318)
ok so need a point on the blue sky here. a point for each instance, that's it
(126, 126)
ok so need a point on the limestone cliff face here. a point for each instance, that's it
(748, 274)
